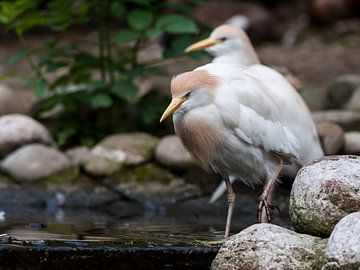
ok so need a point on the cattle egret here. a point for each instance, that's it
(235, 125)
(230, 45)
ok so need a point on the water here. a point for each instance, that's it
(182, 224)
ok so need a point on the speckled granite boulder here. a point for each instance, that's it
(17, 130)
(324, 191)
(268, 246)
(343, 248)
(34, 161)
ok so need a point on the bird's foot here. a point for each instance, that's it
(264, 214)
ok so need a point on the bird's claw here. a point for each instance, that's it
(263, 204)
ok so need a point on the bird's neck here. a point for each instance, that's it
(245, 56)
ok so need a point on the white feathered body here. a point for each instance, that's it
(250, 123)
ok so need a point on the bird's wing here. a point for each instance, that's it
(249, 110)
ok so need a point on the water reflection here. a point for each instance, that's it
(178, 224)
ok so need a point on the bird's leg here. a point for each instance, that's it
(264, 207)
(231, 204)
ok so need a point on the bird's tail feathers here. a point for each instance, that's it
(220, 190)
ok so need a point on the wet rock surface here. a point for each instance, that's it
(171, 152)
(343, 248)
(110, 256)
(267, 246)
(323, 192)
(34, 161)
(17, 130)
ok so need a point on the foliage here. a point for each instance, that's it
(93, 81)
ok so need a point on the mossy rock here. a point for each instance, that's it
(62, 178)
(145, 173)
(148, 182)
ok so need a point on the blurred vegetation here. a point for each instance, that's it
(94, 88)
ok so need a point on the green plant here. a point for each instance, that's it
(94, 80)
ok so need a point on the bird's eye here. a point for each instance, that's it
(187, 95)
(223, 39)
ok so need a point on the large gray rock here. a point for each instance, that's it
(171, 152)
(346, 119)
(17, 130)
(343, 248)
(130, 149)
(268, 246)
(324, 191)
(352, 142)
(15, 101)
(34, 161)
(341, 90)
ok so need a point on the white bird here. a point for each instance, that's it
(229, 118)
(230, 45)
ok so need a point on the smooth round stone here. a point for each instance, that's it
(17, 130)
(34, 161)
(171, 152)
(352, 142)
(129, 149)
(268, 246)
(343, 248)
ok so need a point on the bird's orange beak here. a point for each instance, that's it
(174, 104)
(201, 45)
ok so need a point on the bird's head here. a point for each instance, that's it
(225, 39)
(191, 90)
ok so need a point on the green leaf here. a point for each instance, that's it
(179, 7)
(117, 9)
(39, 88)
(95, 85)
(154, 33)
(101, 100)
(142, 2)
(176, 24)
(16, 57)
(124, 36)
(64, 134)
(178, 46)
(140, 19)
(125, 90)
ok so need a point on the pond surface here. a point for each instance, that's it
(125, 235)
(173, 224)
